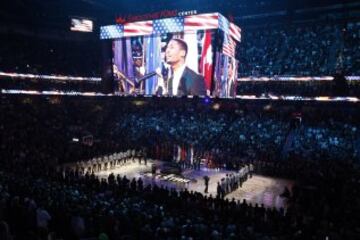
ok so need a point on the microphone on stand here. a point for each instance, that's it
(149, 75)
(161, 87)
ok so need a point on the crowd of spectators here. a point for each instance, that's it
(142, 123)
(312, 49)
(319, 151)
(313, 88)
(230, 134)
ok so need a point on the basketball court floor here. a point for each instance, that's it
(256, 190)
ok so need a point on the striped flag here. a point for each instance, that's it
(229, 28)
(138, 28)
(166, 25)
(82, 25)
(201, 22)
(235, 32)
(224, 24)
(171, 25)
(229, 46)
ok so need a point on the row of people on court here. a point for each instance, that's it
(107, 162)
(233, 181)
(194, 163)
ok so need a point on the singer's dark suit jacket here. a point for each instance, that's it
(191, 83)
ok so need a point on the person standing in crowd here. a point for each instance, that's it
(219, 191)
(206, 179)
(42, 219)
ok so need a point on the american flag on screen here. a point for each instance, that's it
(112, 31)
(224, 24)
(162, 26)
(235, 32)
(229, 29)
(172, 25)
(201, 22)
(229, 46)
(138, 28)
(82, 25)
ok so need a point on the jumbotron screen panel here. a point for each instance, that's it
(179, 56)
(173, 64)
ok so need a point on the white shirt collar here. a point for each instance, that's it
(176, 79)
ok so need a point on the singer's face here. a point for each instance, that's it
(174, 53)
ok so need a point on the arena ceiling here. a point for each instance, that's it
(105, 11)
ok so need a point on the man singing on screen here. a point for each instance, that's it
(183, 80)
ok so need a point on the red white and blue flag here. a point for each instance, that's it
(200, 22)
(235, 32)
(163, 26)
(229, 46)
(138, 28)
(171, 25)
